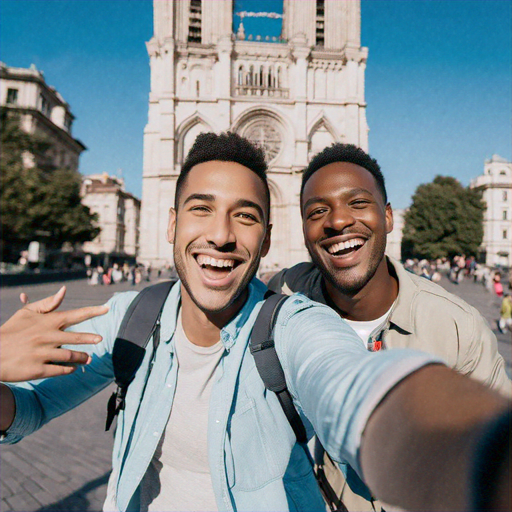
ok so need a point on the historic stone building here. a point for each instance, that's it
(293, 94)
(496, 186)
(42, 111)
(118, 216)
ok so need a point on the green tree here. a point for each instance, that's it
(444, 219)
(33, 200)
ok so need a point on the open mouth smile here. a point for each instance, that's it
(216, 269)
(346, 248)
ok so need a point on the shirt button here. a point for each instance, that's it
(155, 433)
(168, 385)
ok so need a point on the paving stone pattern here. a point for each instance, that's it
(64, 467)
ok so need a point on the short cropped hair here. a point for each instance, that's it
(350, 153)
(226, 147)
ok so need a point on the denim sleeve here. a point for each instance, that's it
(336, 382)
(39, 401)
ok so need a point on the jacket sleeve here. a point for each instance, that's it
(479, 356)
(335, 381)
(38, 402)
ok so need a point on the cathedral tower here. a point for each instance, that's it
(293, 93)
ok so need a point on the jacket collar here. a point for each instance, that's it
(230, 331)
(402, 314)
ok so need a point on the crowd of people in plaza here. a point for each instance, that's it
(399, 382)
(134, 274)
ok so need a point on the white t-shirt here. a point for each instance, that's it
(178, 477)
(364, 329)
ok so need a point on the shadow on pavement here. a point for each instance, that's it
(78, 501)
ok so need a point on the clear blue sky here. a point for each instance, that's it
(438, 80)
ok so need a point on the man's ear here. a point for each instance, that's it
(389, 218)
(266, 242)
(171, 228)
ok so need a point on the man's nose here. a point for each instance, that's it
(338, 219)
(220, 232)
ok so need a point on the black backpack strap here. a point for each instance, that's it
(267, 361)
(140, 322)
(269, 367)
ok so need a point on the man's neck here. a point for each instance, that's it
(371, 302)
(203, 328)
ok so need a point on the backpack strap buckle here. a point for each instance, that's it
(115, 404)
(262, 346)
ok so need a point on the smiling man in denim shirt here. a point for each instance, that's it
(200, 431)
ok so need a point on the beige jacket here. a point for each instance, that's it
(425, 317)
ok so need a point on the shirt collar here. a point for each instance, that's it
(402, 313)
(229, 333)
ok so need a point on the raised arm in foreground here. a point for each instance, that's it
(429, 439)
(30, 346)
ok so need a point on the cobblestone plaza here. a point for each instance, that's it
(65, 466)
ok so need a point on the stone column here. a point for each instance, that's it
(163, 18)
(300, 53)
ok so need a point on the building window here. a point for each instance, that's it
(505, 234)
(194, 26)
(12, 96)
(45, 105)
(505, 215)
(320, 22)
(505, 195)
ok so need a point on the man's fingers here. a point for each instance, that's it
(48, 304)
(54, 370)
(67, 356)
(76, 316)
(74, 338)
(24, 298)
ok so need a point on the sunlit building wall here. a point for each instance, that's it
(293, 90)
(496, 186)
(42, 111)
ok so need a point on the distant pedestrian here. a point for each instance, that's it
(497, 285)
(505, 321)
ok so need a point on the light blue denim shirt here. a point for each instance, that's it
(254, 460)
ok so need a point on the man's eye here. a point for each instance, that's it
(247, 216)
(360, 203)
(316, 213)
(199, 209)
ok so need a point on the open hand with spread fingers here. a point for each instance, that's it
(31, 340)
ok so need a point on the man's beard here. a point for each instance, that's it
(242, 286)
(351, 286)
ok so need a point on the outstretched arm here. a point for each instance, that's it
(30, 346)
(415, 430)
(425, 443)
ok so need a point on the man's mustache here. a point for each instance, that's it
(229, 248)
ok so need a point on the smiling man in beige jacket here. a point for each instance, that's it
(346, 218)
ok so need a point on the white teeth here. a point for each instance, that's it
(203, 259)
(333, 249)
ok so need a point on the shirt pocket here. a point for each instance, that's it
(250, 446)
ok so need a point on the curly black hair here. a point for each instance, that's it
(226, 147)
(350, 153)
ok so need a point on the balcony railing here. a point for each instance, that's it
(261, 90)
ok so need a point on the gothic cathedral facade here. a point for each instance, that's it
(294, 95)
